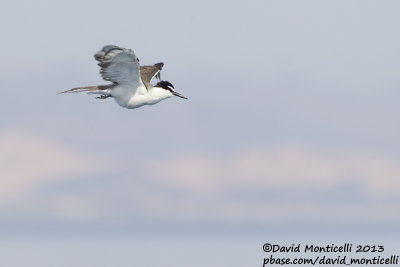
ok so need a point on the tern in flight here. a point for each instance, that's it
(131, 87)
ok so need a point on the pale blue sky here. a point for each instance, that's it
(292, 118)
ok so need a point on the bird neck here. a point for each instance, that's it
(159, 93)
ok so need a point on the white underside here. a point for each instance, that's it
(129, 97)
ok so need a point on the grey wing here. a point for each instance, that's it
(119, 65)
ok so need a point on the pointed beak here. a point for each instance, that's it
(178, 94)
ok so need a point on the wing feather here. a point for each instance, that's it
(147, 73)
(119, 65)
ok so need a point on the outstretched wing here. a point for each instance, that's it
(148, 72)
(119, 65)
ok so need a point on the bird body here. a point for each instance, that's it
(122, 96)
(131, 87)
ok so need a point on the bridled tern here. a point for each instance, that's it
(131, 87)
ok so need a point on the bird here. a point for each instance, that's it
(130, 87)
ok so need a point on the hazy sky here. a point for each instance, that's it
(292, 117)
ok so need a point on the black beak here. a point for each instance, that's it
(178, 94)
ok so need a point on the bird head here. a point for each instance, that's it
(169, 87)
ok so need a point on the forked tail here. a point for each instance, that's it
(97, 89)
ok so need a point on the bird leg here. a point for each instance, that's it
(103, 96)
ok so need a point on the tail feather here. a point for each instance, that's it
(97, 89)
